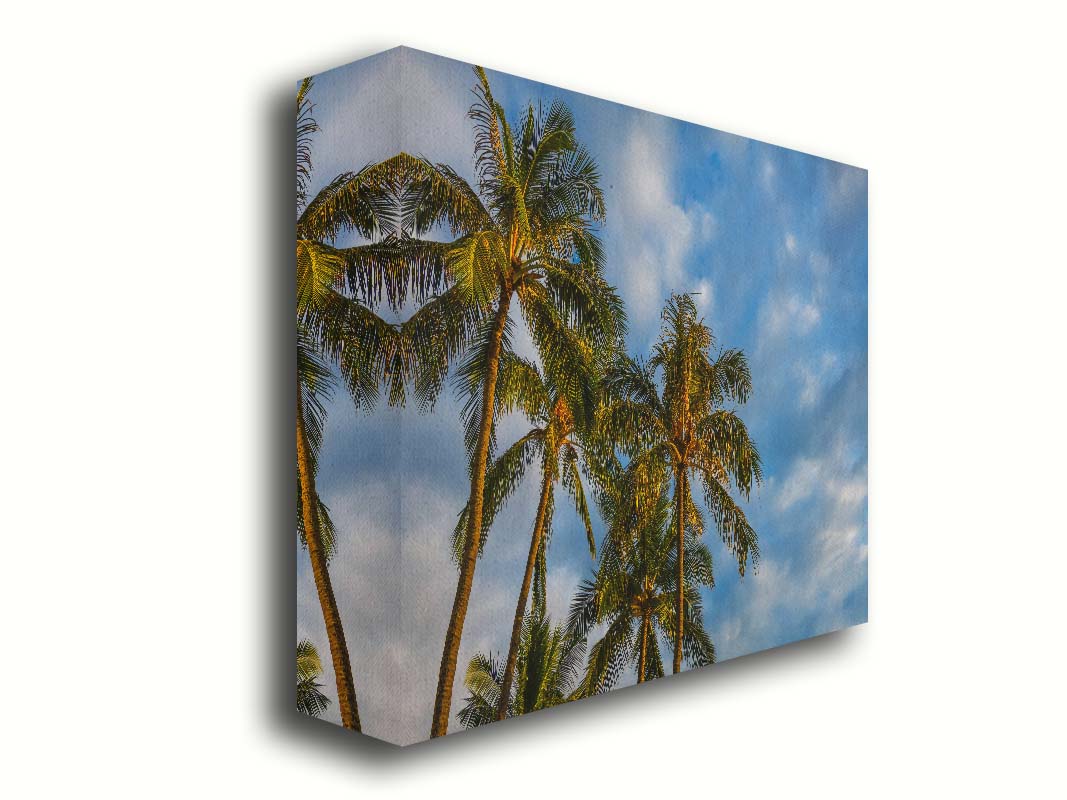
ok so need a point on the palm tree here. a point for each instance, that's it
(688, 430)
(548, 669)
(555, 439)
(338, 332)
(309, 698)
(526, 234)
(635, 582)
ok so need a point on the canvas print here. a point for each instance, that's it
(581, 396)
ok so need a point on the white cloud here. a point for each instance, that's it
(705, 297)
(813, 378)
(790, 315)
(799, 484)
(768, 173)
(825, 475)
(365, 576)
(657, 234)
(709, 225)
(791, 244)
(821, 573)
(819, 263)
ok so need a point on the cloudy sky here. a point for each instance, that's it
(775, 244)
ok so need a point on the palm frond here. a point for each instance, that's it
(354, 202)
(547, 668)
(501, 479)
(697, 647)
(309, 698)
(396, 270)
(608, 656)
(483, 680)
(572, 482)
(574, 187)
(728, 377)
(315, 383)
(327, 531)
(630, 378)
(471, 376)
(357, 341)
(520, 387)
(725, 443)
(571, 662)
(585, 608)
(432, 195)
(736, 532)
(585, 301)
(474, 264)
(305, 127)
(427, 344)
(493, 146)
(565, 354)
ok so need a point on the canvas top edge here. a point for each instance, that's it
(403, 48)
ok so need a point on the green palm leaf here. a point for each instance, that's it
(309, 697)
(680, 424)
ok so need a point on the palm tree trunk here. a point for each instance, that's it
(447, 673)
(680, 490)
(342, 666)
(524, 593)
(644, 648)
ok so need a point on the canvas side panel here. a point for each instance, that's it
(356, 109)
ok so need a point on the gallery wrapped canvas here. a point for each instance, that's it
(581, 396)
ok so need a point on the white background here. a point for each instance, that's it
(144, 398)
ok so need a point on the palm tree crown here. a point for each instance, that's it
(631, 592)
(555, 441)
(555, 437)
(689, 431)
(548, 673)
(527, 233)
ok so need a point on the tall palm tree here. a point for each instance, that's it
(548, 671)
(339, 333)
(527, 234)
(635, 582)
(555, 440)
(689, 430)
(309, 697)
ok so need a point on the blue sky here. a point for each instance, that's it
(775, 243)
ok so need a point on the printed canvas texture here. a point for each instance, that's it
(582, 396)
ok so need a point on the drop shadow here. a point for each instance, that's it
(277, 351)
(579, 719)
(622, 706)
(275, 509)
